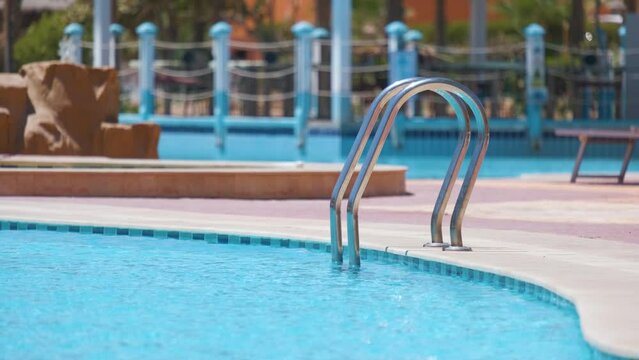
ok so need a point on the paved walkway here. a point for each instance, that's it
(579, 240)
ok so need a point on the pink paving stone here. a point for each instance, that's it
(422, 194)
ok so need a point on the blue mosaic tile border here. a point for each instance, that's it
(430, 266)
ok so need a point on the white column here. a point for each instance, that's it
(341, 61)
(101, 23)
(478, 28)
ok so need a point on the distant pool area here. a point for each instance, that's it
(167, 294)
(426, 156)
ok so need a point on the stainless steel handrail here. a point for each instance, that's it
(438, 85)
(369, 122)
(461, 110)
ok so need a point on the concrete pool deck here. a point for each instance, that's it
(578, 240)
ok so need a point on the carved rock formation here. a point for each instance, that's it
(130, 141)
(75, 107)
(13, 98)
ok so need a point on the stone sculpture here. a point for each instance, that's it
(75, 110)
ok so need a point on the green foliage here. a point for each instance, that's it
(369, 18)
(41, 40)
(499, 32)
(551, 14)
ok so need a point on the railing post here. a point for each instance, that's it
(536, 92)
(303, 70)
(146, 58)
(318, 35)
(116, 31)
(622, 65)
(397, 62)
(220, 33)
(607, 93)
(71, 47)
(411, 39)
(395, 32)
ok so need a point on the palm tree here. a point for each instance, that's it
(394, 10)
(12, 18)
(323, 19)
(576, 31)
(323, 13)
(440, 22)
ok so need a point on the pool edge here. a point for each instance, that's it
(492, 276)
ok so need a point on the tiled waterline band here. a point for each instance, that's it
(434, 267)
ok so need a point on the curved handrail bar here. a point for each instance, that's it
(354, 155)
(436, 85)
(483, 138)
(437, 239)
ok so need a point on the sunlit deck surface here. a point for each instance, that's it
(579, 240)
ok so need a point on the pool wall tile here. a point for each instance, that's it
(275, 242)
(210, 238)
(185, 235)
(135, 232)
(86, 230)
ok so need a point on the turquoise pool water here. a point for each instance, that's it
(69, 295)
(424, 157)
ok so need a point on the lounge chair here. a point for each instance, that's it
(586, 136)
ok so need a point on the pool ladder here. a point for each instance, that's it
(391, 99)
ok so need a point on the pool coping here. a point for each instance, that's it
(412, 259)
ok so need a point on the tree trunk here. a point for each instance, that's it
(114, 11)
(576, 31)
(394, 10)
(323, 19)
(11, 23)
(323, 13)
(440, 23)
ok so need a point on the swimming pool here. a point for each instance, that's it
(67, 294)
(425, 157)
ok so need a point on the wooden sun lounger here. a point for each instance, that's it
(586, 136)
